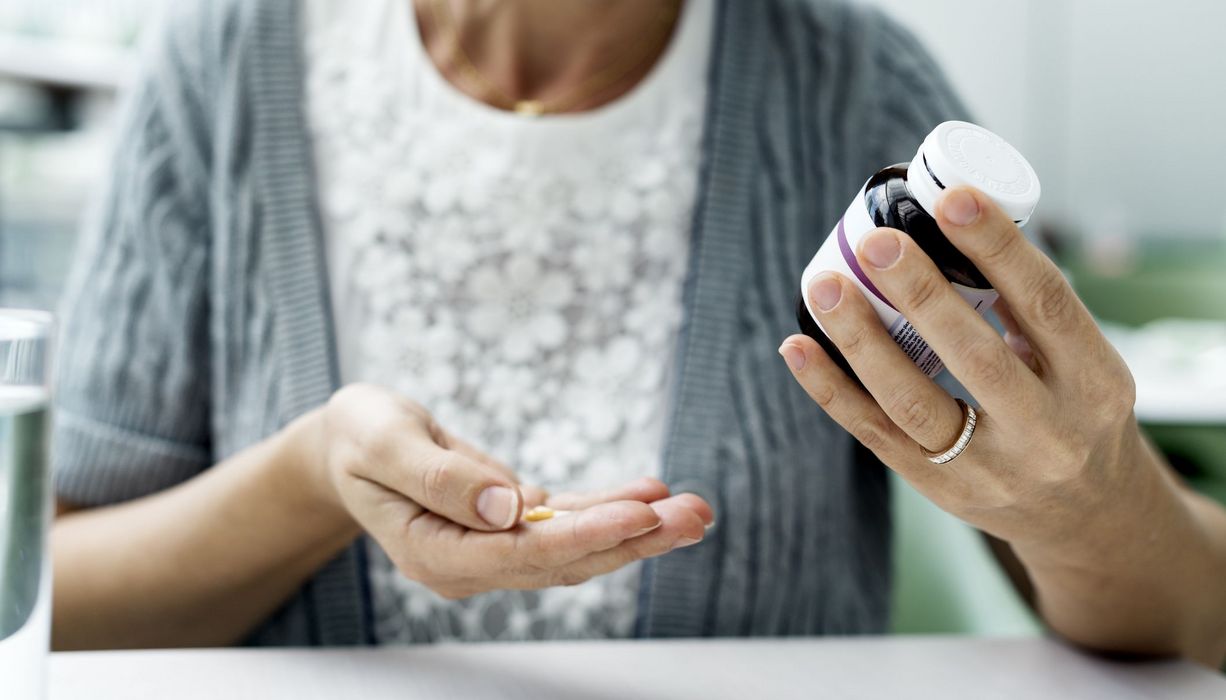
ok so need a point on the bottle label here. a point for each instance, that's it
(838, 254)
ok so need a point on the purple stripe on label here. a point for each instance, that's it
(854, 264)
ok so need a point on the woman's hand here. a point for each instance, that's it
(1119, 553)
(1056, 440)
(449, 516)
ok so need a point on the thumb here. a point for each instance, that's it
(451, 484)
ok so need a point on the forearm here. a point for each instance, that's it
(203, 563)
(1146, 578)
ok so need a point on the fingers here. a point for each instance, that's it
(1045, 306)
(923, 410)
(542, 548)
(553, 543)
(851, 406)
(681, 525)
(378, 436)
(472, 493)
(967, 344)
(645, 490)
(532, 548)
(458, 562)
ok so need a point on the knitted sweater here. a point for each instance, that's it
(197, 317)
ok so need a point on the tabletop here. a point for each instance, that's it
(876, 667)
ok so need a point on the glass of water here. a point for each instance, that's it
(25, 503)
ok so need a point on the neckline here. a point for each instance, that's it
(670, 62)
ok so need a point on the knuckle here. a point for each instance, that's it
(823, 394)
(1113, 397)
(853, 341)
(1069, 458)
(986, 361)
(377, 438)
(870, 431)
(924, 291)
(910, 411)
(1051, 306)
(438, 479)
(999, 251)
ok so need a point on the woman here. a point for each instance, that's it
(558, 236)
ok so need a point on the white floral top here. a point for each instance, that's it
(520, 277)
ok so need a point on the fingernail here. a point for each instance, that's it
(881, 249)
(498, 506)
(794, 356)
(646, 530)
(685, 542)
(826, 293)
(709, 525)
(960, 208)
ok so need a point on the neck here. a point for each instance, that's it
(543, 49)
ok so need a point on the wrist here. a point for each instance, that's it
(302, 453)
(1132, 508)
(1137, 550)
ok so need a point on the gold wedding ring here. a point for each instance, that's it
(969, 418)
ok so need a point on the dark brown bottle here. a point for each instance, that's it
(903, 197)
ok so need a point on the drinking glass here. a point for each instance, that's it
(25, 503)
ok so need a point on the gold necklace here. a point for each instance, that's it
(597, 82)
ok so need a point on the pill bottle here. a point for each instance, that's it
(903, 197)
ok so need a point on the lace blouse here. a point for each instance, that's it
(520, 277)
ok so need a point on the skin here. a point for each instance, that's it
(1121, 556)
(544, 49)
(205, 562)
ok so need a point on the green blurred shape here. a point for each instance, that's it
(1179, 278)
(1168, 279)
(946, 580)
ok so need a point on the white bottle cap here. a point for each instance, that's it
(959, 153)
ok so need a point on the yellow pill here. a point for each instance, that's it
(538, 513)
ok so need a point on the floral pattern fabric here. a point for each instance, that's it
(521, 278)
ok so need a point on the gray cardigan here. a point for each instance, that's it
(197, 320)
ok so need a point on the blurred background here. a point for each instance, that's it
(1119, 104)
(62, 63)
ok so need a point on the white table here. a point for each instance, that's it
(1180, 370)
(883, 667)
